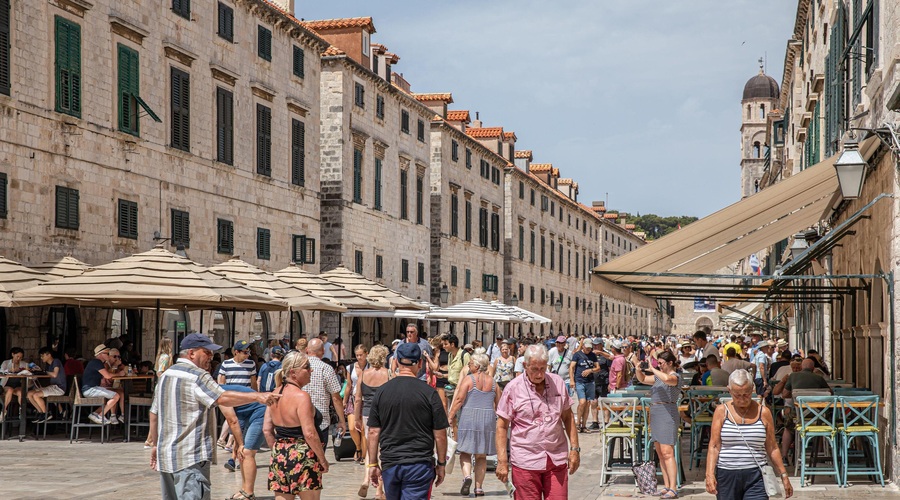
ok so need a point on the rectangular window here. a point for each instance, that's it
(263, 140)
(552, 209)
(68, 65)
(552, 255)
(224, 236)
(453, 275)
(303, 250)
(4, 47)
(468, 215)
(560, 258)
(263, 243)
(543, 298)
(226, 22)
(521, 242)
(521, 292)
(379, 266)
(4, 204)
(404, 121)
(543, 251)
(420, 199)
(359, 95)
(489, 283)
(532, 197)
(224, 126)
(521, 190)
(128, 219)
(129, 86)
(298, 152)
(299, 62)
(404, 193)
(66, 208)
(420, 273)
(468, 279)
(531, 294)
(483, 227)
(468, 158)
(404, 270)
(495, 231)
(577, 268)
(377, 183)
(484, 169)
(420, 130)
(454, 150)
(181, 228)
(454, 215)
(264, 43)
(182, 8)
(379, 107)
(358, 261)
(181, 110)
(531, 255)
(357, 175)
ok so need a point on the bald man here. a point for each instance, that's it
(804, 379)
(324, 384)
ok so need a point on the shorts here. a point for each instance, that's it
(253, 434)
(585, 390)
(98, 392)
(51, 390)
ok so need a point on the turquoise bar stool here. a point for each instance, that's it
(817, 415)
(649, 451)
(860, 420)
(702, 404)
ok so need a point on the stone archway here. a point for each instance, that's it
(704, 321)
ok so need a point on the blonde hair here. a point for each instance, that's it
(292, 361)
(361, 348)
(481, 361)
(377, 356)
(165, 347)
(300, 344)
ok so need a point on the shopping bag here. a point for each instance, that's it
(645, 477)
(451, 452)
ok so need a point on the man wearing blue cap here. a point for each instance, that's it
(406, 423)
(239, 370)
(762, 360)
(179, 419)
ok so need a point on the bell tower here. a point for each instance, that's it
(760, 98)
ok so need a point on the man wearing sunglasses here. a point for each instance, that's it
(94, 372)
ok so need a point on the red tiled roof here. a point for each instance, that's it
(485, 132)
(333, 51)
(336, 24)
(524, 153)
(509, 136)
(629, 226)
(540, 167)
(458, 116)
(610, 216)
(564, 182)
(555, 172)
(444, 97)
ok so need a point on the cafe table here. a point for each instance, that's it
(26, 380)
(126, 381)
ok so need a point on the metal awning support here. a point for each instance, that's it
(759, 321)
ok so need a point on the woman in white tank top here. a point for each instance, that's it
(741, 441)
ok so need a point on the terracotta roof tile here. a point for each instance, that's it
(540, 167)
(333, 51)
(458, 116)
(524, 153)
(555, 172)
(565, 182)
(336, 24)
(443, 97)
(629, 226)
(485, 132)
(509, 136)
(611, 216)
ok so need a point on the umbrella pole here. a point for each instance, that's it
(291, 324)
(201, 321)
(157, 322)
(65, 331)
(233, 320)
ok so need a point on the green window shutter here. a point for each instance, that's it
(298, 152)
(263, 243)
(226, 22)
(4, 47)
(128, 85)
(454, 150)
(68, 67)
(264, 43)
(404, 192)
(454, 215)
(379, 266)
(182, 8)
(468, 221)
(224, 126)
(358, 262)
(4, 203)
(468, 279)
(379, 106)
(73, 213)
(67, 208)
(377, 183)
(420, 200)
(127, 223)
(357, 175)
(299, 56)
(225, 236)
(181, 228)
(298, 249)
(181, 110)
(404, 270)
(263, 140)
(310, 255)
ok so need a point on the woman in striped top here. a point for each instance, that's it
(741, 440)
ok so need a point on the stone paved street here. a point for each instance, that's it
(57, 470)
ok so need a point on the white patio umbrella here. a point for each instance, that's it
(324, 288)
(371, 289)
(475, 310)
(526, 315)
(15, 276)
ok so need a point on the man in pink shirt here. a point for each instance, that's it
(617, 378)
(538, 411)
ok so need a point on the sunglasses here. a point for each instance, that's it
(117, 357)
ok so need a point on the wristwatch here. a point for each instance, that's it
(783, 475)
(441, 464)
(575, 448)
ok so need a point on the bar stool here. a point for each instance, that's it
(702, 406)
(860, 420)
(623, 421)
(818, 422)
(78, 404)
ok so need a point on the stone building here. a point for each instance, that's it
(131, 124)
(760, 98)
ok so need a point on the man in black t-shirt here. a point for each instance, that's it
(406, 423)
(94, 372)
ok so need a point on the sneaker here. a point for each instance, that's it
(40, 420)
(229, 465)
(49, 417)
(116, 419)
(2, 415)
(466, 486)
(97, 419)
(107, 421)
(595, 426)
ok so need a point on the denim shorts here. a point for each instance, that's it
(98, 392)
(585, 391)
(253, 434)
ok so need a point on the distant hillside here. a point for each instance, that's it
(655, 226)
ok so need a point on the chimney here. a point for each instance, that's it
(285, 5)
(351, 35)
(477, 122)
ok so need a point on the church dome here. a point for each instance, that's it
(761, 86)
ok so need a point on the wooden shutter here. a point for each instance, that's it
(263, 243)
(129, 80)
(263, 140)
(61, 207)
(264, 43)
(454, 215)
(495, 232)
(68, 67)
(127, 223)
(224, 126)
(225, 236)
(420, 199)
(357, 175)
(182, 8)
(4, 47)
(310, 252)
(298, 152)
(4, 205)
(299, 62)
(468, 220)
(181, 228)
(226, 22)
(377, 177)
(404, 193)
(181, 110)
(358, 262)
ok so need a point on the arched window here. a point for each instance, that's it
(749, 112)
(762, 111)
(756, 149)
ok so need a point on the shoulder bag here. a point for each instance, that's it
(773, 488)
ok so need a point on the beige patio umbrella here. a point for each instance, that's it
(296, 297)
(62, 268)
(322, 287)
(371, 289)
(15, 276)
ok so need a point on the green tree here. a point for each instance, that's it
(656, 226)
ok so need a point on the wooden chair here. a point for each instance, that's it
(80, 402)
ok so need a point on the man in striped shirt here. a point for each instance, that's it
(239, 370)
(179, 420)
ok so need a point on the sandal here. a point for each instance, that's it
(221, 444)
(479, 492)
(243, 496)
(363, 490)
(466, 485)
(669, 493)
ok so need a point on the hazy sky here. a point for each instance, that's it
(637, 100)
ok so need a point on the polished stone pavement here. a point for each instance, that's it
(54, 469)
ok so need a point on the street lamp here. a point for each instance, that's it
(851, 170)
(606, 311)
(590, 308)
(445, 293)
(514, 300)
(799, 245)
(558, 305)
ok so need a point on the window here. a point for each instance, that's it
(404, 271)
(181, 110)
(454, 150)
(4, 47)
(357, 175)
(521, 292)
(531, 258)
(560, 258)
(128, 87)
(521, 242)
(377, 183)
(358, 261)
(226, 22)
(552, 208)
(543, 251)
(552, 255)
(224, 236)
(454, 215)
(420, 273)
(569, 260)
(264, 43)
(468, 158)
(532, 197)
(68, 65)
(468, 215)
(576, 265)
(545, 203)
(404, 192)
(521, 190)
(303, 250)
(468, 279)
(263, 243)
(404, 121)
(182, 8)
(359, 95)
(420, 130)
(543, 298)
(298, 152)
(263, 140)
(66, 208)
(453, 275)
(485, 169)
(489, 283)
(483, 227)
(379, 107)
(4, 206)
(299, 62)
(495, 232)
(420, 199)
(531, 293)
(224, 126)
(127, 219)
(379, 266)
(181, 228)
